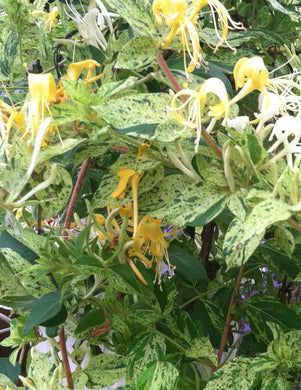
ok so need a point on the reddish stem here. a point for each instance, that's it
(74, 196)
(170, 76)
(65, 359)
(228, 319)
(294, 224)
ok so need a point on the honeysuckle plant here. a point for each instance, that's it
(149, 201)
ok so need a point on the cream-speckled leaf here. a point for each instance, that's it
(159, 375)
(40, 370)
(285, 240)
(138, 53)
(25, 276)
(55, 196)
(211, 170)
(105, 370)
(80, 380)
(201, 348)
(9, 282)
(6, 383)
(235, 375)
(137, 13)
(145, 348)
(55, 150)
(188, 202)
(236, 206)
(109, 89)
(243, 237)
(137, 114)
(169, 131)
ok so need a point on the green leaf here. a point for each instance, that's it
(10, 370)
(278, 7)
(137, 114)
(186, 264)
(137, 53)
(158, 376)
(262, 308)
(89, 261)
(5, 381)
(235, 375)
(243, 237)
(92, 319)
(254, 148)
(47, 307)
(8, 241)
(105, 370)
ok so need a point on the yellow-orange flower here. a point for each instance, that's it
(51, 17)
(174, 14)
(74, 70)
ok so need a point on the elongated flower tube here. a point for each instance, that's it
(285, 127)
(195, 103)
(174, 14)
(93, 23)
(126, 175)
(42, 90)
(216, 7)
(150, 238)
(51, 17)
(74, 70)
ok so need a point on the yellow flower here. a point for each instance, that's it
(150, 239)
(51, 17)
(125, 175)
(42, 90)
(219, 10)
(196, 102)
(74, 70)
(174, 14)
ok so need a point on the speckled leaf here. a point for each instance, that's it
(285, 240)
(236, 206)
(105, 370)
(40, 370)
(56, 196)
(9, 52)
(243, 237)
(201, 348)
(55, 150)
(109, 89)
(189, 203)
(212, 170)
(153, 174)
(169, 131)
(5, 381)
(23, 274)
(262, 308)
(9, 283)
(235, 375)
(139, 52)
(137, 13)
(159, 376)
(145, 348)
(137, 114)
(142, 313)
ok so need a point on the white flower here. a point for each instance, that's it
(238, 123)
(92, 24)
(285, 127)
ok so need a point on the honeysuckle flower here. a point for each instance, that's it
(238, 123)
(217, 8)
(93, 23)
(251, 74)
(195, 103)
(149, 238)
(174, 14)
(285, 127)
(126, 175)
(51, 17)
(42, 90)
(74, 70)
